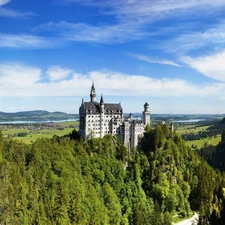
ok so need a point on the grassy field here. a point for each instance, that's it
(192, 128)
(32, 136)
(67, 127)
(34, 133)
(210, 141)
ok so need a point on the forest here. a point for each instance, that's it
(66, 180)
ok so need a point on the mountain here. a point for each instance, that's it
(36, 115)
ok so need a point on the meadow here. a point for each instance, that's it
(48, 130)
(28, 133)
(195, 128)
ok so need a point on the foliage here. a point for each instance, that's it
(66, 180)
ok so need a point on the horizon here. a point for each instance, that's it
(175, 114)
(169, 55)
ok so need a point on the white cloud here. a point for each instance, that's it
(192, 40)
(24, 81)
(155, 60)
(81, 32)
(212, 66)
(57, 73)
(16, 41)
(15, 77)
(6, 12)
(132, 18)
(112, 83)
(152, 8)
(4, 2)
(27, 41)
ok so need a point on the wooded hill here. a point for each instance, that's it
(68, 181)
(36, 115)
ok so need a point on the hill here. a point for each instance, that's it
(36, 115)
(64, 180)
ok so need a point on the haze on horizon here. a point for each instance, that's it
(170, 55)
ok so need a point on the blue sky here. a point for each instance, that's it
(169, 53)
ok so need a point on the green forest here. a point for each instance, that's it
(66, 180)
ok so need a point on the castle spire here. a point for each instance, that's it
(101, 100)
(93, 93)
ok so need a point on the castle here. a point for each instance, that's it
(98, 119)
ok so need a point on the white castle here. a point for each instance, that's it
(98, 119)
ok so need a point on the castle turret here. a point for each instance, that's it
(102, 101)
(93, 93)
(102, 117)
(146, 114)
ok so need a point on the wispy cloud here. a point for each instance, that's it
(137, 20)
(12, 13)
(134, 20)
(144, 7)
(7, 12)
(154, 60)
(79, 84)
(57, 73)
(206, 37)
(81, 32)
(4, 2)
(211, 65)
(27, 41)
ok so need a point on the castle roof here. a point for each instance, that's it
(109, 108)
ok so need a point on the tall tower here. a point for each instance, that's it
(93, 93)
(102, 121)
(146, 114)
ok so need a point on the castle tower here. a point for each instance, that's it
(93, 93)
(102, 117)
(146, 114)
(172, 126)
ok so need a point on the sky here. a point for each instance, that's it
(169, 53)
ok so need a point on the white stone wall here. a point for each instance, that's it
(105, 124)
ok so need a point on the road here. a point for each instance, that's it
(192, 221)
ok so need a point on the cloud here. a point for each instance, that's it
(12, 13)
(27, 41)
(137, 20)
(106, 82)
(154, 60)
(4, 2)
(57, 73)
(105, 34)
(144, 7)
(133, 20)
(6, 12)
(113, 83)
(210, 65)
(15, 77)
(192, 40)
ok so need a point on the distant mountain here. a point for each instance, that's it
(36, 115)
